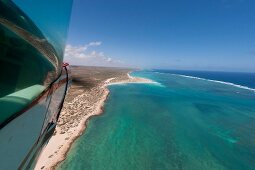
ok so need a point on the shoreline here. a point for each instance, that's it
(67, 131)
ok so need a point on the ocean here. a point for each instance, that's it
(190, 120)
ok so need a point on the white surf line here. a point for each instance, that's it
(152, 82)
(217, 81)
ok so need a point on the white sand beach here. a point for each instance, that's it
(73, 118)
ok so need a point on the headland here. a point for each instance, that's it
(85, 99)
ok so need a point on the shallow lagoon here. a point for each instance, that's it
(183, 123)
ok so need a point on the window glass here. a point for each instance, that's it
(30, 58)
(51, 17)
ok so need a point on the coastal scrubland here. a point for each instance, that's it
(85, 98)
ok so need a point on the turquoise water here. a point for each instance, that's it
(181, 123)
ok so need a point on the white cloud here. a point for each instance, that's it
(83, 55)
(96, 43)
(109, 59)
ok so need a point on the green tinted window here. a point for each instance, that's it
(30, 60)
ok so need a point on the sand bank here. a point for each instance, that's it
(73, 118)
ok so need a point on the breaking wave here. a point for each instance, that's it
(217, 81)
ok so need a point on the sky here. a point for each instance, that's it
(216, 35)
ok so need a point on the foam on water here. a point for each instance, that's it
(154, 83)
(216, 81)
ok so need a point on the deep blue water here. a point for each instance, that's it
(178, 123)
(244, 79)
